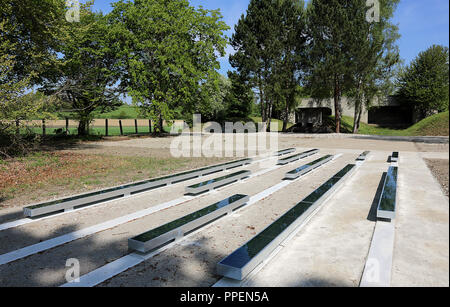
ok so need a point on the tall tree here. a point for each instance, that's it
(211, 98)
(239, 99)
(166, 50)
(425, 82)
(290, 66)
(28, 47)
(374, 55)
(332, 37)
(85, 76)
(269, 42)
(255, 41)
(16, 104)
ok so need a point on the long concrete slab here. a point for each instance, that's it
(69, 203)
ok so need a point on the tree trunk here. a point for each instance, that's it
(83, 126)
(358, 107)
(289, 100)
(356, 116)
(269, 116)
(261, 102)
(160, 123)
(337, 105)
(359, 118)
(286, 117)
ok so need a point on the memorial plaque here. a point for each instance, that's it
(172, 230)
(363, 156)
(387, 205)
(216, 182)
(308, 167)
(297, 157)
(285, 152)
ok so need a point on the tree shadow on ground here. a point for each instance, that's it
(11, 216)
(320, 282)
(188, 263)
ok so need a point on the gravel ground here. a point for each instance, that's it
(440, 170)
(192, 262)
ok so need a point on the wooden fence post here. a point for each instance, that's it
(121, 129)
(43, 127)
(67, 126)
(106, 127)
(136, 126)
(150, 126)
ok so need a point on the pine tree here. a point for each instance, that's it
(239, 99)
(291, 63)
(374, 54)
(350, 54)
(268, 42)
(332, 37)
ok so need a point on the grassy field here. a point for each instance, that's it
(436, 125)
(123, 112)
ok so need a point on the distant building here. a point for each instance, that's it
(389, 112)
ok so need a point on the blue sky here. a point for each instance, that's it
(422, 23)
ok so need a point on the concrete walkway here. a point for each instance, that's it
(331, 250)
(421, 250)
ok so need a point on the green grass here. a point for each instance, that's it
(274, 121)
(42, 174)
(436, 125)
(38, 159)
(123, 112)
